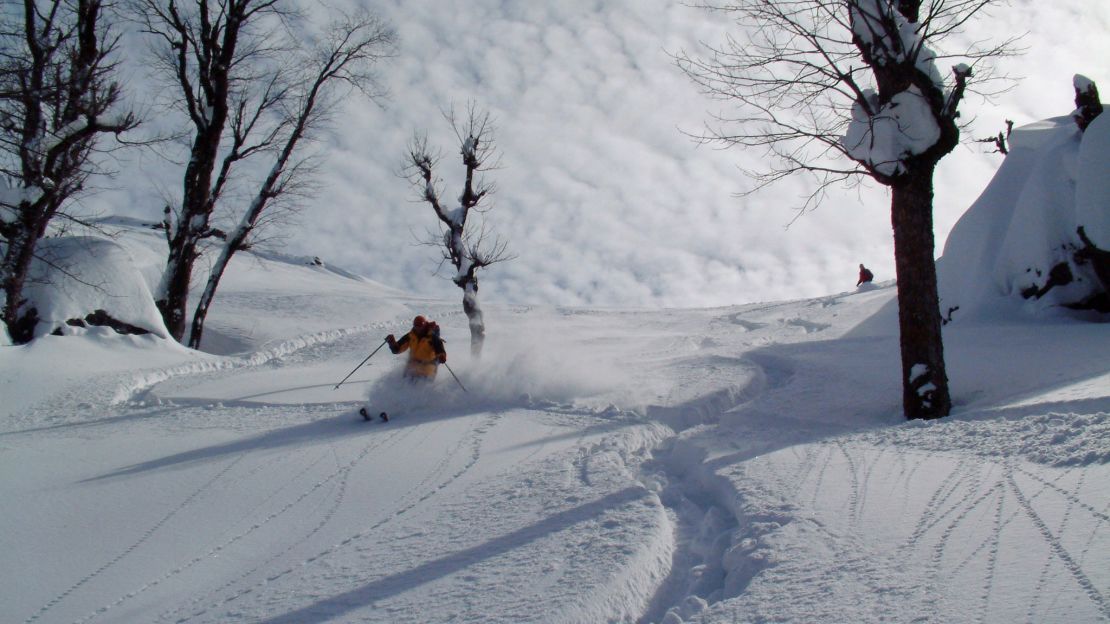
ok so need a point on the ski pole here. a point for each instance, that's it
(456, 378)
(360, 365)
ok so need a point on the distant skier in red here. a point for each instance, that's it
(865, 276)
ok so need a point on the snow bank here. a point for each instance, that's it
(1054, 438)
(1024, 224)
(1092, 185)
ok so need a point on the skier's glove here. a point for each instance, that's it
(442, 358)
(391, 340)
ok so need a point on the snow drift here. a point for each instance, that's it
(78, 281)
(1021, 236)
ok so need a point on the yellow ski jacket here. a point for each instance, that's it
(425, 354)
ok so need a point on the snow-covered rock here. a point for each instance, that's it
(78, 275)
(1054, 180)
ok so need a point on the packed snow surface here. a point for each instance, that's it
(738, 464)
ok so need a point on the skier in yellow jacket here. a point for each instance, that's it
(425, 349)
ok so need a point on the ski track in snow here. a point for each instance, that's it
(980, 494)
(433, 482)
(141, 384)
(341, 473)
(339, 489)
(201, 490)
(1052, 538)
(976, 486)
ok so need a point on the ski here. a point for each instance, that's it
(366, 415)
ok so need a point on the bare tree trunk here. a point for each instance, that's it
(17, 264)
(175, 285)
(205, 63)
(238, 238)
(56, 97)
(924, 379)
(191, 226)
(206, 297)
(466, 256)
(474, 317)
(1087, 103)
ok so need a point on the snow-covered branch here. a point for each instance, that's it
(821, 79)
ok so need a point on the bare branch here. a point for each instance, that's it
(350, 46)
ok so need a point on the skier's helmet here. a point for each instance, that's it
(418, 322)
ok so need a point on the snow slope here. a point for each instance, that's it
(740, 464)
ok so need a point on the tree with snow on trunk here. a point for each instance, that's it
(464, 248)
(225, 68)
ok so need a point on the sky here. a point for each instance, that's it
(602, 195)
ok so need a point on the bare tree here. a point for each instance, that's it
(57, 98)
(846, 89)
(344, 57)
(464, 248)
(222, 58)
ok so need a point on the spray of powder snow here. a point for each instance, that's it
(525, 373)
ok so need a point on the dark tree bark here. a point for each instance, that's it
(924, 379)
(193, 226)
(925, 392)
(1087, 104)
(1099, 258)
(19, 252)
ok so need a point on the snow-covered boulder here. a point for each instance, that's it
(83, 281)
(1016, 248)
